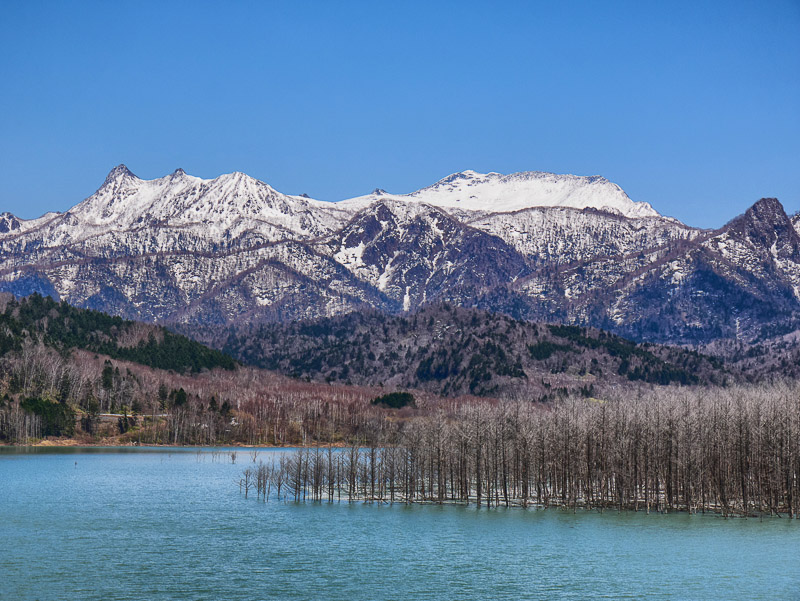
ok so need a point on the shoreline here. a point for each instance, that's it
(513, 503)
(75, 442)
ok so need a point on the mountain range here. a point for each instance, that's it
(234, 252)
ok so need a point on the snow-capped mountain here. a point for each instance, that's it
(497, 193)
(222, 207)
(181, 249)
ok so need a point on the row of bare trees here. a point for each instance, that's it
(17, 425)
(77, 378)
(733, 451)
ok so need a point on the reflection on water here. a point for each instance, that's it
(169, 523)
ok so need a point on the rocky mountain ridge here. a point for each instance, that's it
(544, 247)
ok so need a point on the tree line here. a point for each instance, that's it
(733, 451)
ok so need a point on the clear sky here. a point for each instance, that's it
(693, 107)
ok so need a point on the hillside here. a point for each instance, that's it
(63, 328)
(453, 351)
(93, 378)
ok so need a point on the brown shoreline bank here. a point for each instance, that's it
(111, 442)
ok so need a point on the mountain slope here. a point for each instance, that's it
(740, 281)
(556, 236)
(451, 351)
(417, 254)
(181, 249)
(39, 320)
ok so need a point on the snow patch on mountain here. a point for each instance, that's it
(497, 193)
(227, 204)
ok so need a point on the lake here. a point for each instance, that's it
(138, 523)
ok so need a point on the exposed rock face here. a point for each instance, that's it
(180, 249)
(8, 223)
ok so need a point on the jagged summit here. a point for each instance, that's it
(765, 214)
(767, 207)
(8, 223)
(119, 172)
(213, 209)
(765, 226)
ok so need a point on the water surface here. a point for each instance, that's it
(170, 524)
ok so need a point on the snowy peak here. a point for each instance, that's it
(236, 204)
(498, 193)
(125, 199)
(118, 174)
(241, 186)
(225, 207)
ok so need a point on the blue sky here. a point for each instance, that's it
(693, 107)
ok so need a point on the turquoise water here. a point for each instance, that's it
(171, 524)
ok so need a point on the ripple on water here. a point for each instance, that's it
(172, 525)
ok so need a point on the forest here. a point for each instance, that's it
(39, 319)
(451, 351)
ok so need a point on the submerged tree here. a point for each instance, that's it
(733, 451)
